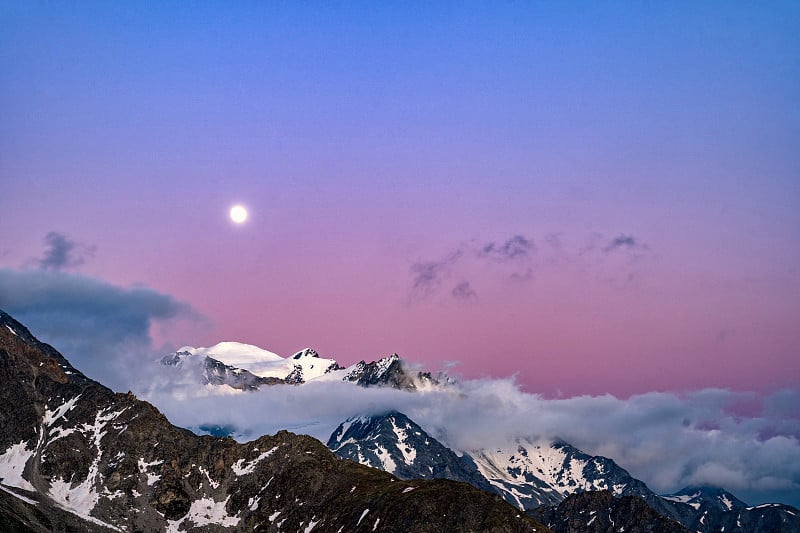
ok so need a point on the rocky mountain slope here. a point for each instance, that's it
(601, 511)
(396, 444)
(75, 456)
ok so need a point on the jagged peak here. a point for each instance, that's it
(306, 352)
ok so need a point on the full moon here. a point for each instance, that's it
(238, 214)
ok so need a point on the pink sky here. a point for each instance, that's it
(369, 144)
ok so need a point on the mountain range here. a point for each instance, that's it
(247, 367)
(536, 476)
(539, 477)
(75, 456)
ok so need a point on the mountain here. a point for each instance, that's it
(539, 476)
(715, 509)
(392, 372)
(75, 456)
(532, 473)
(707, 498)
(601, 511)
(252, 362)
(247, 367)
(395, 443)
(527, 474)
(209, 371)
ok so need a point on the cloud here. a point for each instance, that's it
(463, 291)
(427, 276)
(514, 248)
(62, 252)
(623, 241)
(667, 440)
(617, 261)
(102, 328)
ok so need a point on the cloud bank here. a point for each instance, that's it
(101, 328)
(667, 440)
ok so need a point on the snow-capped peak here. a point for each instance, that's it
(235, 353)
(302, 366)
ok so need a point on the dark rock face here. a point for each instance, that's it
(396, 444)
(601, 512)
(75, 456)
(389, 372)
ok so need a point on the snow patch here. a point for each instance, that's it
(409, 453)
(204, 512)
(151, 478)
(240, 468)
(12, 464)
(58, 412)
(387, 463)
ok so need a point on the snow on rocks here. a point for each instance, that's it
(240, 468)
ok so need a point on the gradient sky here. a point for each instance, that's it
(598, 196)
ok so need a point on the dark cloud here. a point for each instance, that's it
(463, 291)
(517, 247)
(100, 327)
(62, 252)
(427, 276)
(623, 241)
(616, 261)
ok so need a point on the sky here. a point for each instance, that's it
(599, 201)
(599, 197)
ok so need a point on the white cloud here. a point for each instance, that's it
(667, 440)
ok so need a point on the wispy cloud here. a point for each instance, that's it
(514, 248)
(62, 253)
(427, 276)
(617, 261)
(463, 291)
(623, 241)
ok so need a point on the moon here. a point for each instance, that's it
(238, 214)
